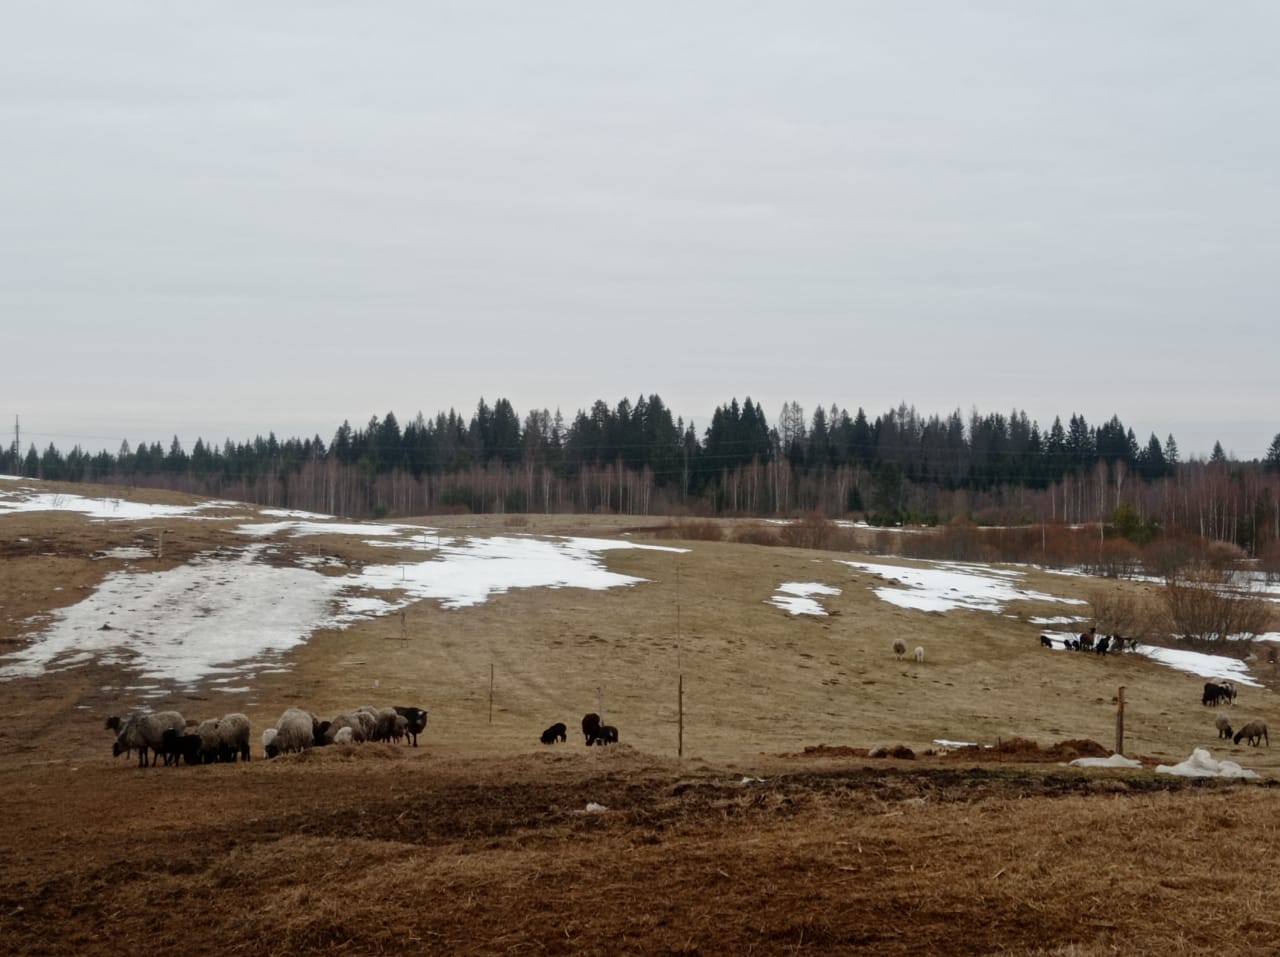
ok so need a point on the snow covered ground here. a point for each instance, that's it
(227, 615)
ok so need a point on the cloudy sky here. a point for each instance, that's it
(223, 219)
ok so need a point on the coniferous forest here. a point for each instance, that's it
(640, 458)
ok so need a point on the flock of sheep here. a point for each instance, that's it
(169, 737)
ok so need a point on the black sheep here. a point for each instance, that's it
(1046, 641)
(417, 719)
(608, 735)
(591, 727)
(557, 732)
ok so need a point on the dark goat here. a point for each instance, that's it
(608, 735)
(557, 732)
(1215, 691)
(1102, 646)
(1046, 641)
(417, 719)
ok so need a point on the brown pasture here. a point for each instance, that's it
(776, 831)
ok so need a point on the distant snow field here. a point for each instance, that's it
(223, 614)
(228, 616)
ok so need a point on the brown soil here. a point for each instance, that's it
(812, 812)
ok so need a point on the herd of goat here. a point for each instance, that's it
(168, 737)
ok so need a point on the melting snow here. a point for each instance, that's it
(795, 597)
(221, 611)
(946, 586)
(1201, 764)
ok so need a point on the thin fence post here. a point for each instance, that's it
(1120, 721)
(491, 692)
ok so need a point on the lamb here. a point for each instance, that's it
(899, 648)
(557, 732)
(608, 735)
(1255, 732)
(1223, 724)
(919, 654)
(1046, 641)
(417, 719)
(344, 736)
(354, 721)
(269, 742)
(141, 732)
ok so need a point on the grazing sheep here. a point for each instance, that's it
(1223, 724)
(1104, 643)
(417, 719)
(387, 724)
(557, 732)
(1255, 732)
(919, 654)
(140, 732)
(295, 731)
(608, 735)
(344, 736)
(591, 727)
(353, 720)
(1046, 641)
(269, 742)
(1086, 639)
(899, 648)
(225, 738)
(178, 747)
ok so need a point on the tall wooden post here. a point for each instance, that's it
(491, 692)
(1120, 721)
(679, 674)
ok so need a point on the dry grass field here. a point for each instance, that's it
(775, 832)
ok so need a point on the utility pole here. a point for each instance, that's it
(17, 445)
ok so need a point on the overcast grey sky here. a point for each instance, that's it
(223, 219)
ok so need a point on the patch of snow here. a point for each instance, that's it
(1115, 761)
(796, 597)
(127, 551)
(30, 500)
(183, 623)
(300, 529)
(1202, 765)
(947, 586)
(1199, 663)
(221, 611)
(943, 742)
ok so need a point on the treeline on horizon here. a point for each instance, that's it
(639, 458)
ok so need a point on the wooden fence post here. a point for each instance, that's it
(1120, 721)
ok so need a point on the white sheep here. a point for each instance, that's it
(295, 731)
(899, 648)
(269, 742)
(919, 654)
(344, 736)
